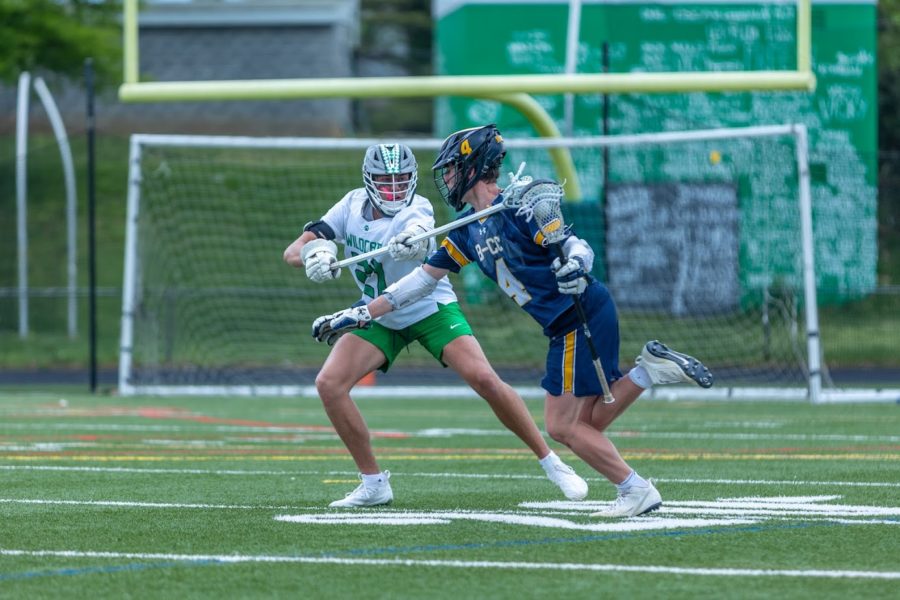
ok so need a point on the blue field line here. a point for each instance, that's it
(577, 540)
(68, 572)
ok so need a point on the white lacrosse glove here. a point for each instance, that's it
(400, 248)
(319, 257)
(328, 328)
(571, 276)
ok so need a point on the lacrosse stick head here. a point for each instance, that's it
(512, 193)
(541, 200)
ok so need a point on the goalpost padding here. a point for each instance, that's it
(210, 308)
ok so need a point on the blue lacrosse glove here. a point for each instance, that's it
(328, 328)
(571, 276)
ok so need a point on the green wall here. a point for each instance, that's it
(504, 37)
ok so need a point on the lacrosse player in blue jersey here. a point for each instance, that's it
(387, 211)
(511, 249)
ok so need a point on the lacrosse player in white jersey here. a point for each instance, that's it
(387, 211)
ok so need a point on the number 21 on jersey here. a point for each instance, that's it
(364, 270)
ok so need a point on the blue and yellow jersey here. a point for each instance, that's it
(508, 249)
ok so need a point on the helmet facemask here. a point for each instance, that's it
(467, 157)
(390, 175)
(451, 184)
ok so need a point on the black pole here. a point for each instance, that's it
(92, 245)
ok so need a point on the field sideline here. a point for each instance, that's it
(194, 498)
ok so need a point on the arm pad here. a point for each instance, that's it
(410, 288)
(574, 246)
(321, 229)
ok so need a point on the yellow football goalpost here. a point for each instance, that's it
(513, 90)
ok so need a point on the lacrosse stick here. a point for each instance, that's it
(540, 200)
(511, 199)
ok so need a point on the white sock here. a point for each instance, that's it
(640, 377)
(373, 480)
(631, 481)
(548, 461)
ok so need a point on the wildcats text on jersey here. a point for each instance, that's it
(362, 244)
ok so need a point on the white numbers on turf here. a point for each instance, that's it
(696, 513)
(511, 286)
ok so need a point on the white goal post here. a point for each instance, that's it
(717, 260)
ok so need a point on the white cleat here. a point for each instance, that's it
(667, 366)
(565, 477)
(372, 495)
(637, 500)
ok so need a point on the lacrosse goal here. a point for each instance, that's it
(704, 238)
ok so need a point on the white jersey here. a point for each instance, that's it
(359, 234)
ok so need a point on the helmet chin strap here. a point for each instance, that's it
(456, 198)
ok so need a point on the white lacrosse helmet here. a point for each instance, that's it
(390, 174)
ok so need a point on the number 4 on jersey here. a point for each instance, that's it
(511, 286)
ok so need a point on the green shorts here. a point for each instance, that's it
(433, 332)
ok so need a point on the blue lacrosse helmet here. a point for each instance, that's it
(465, 158)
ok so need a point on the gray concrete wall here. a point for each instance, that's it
(177, 47)
(265, 52)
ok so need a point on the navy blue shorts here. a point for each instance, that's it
(570, 367)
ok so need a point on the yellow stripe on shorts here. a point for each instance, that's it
(568, 366)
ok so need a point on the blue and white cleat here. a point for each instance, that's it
(668, 366)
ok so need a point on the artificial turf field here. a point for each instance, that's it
(107, 497)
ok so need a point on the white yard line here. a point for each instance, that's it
(460, 564)
(316, 473)
(701, 512)
(811, 511)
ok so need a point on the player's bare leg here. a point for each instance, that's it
(601, 415)
(350, 360)
(569, 422)
(657, 364)
(465, 356)
(566, 425)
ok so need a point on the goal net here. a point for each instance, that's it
(703, 237)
